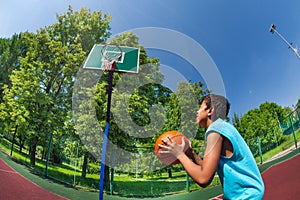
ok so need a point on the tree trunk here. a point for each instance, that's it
(170, 172)
(84, 165)
(57, 159)
(106, 178)
(13, 141)
(32, 151)
(21, 145)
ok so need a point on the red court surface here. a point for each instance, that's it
(282, 181)
(15, 186)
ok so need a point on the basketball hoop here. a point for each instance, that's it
(113, 59)
(111, 55)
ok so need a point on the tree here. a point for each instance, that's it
(10, 52)
(298, 103)
(42, 86)
(236, 119)
(262, 122)
(82, 27)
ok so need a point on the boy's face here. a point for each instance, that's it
(202, 114)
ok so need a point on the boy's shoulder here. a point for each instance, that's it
(220, 126)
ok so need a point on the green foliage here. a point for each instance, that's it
(10, 51)
(81, 27)
(258, 121)
(298, 104)
(262, 122)
(39, 98)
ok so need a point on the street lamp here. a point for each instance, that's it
(273, 30)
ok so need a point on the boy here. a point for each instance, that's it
(226, 152)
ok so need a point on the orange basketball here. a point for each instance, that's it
(168, 158)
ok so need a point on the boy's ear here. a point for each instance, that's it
(211, 111)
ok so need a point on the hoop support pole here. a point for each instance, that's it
(102, 168)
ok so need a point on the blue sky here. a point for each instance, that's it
(255, 65)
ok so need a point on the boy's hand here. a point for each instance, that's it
(173, 148)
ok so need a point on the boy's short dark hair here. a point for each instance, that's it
(220, 105)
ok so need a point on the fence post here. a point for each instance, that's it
(112, 174)
(294, 133)
(259, 149)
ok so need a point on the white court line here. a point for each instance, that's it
(7, 171)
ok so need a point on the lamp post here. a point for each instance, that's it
(273, 30)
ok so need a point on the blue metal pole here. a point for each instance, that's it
(101, 185)
(109, 93)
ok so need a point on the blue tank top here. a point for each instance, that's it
(239, 174)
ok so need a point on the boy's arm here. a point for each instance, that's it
(195, 157)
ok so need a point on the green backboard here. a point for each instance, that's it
(129, 61)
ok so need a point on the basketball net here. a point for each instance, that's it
(109, 65)
(111, 54)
